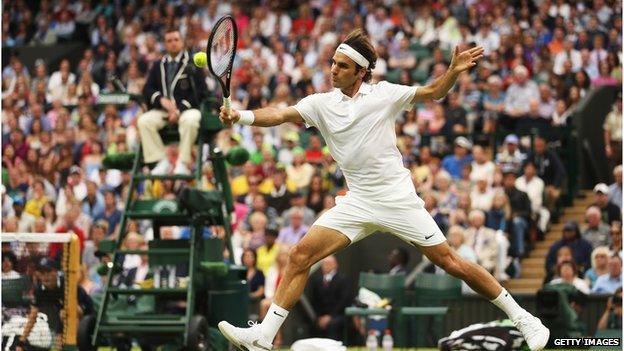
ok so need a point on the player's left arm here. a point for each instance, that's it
(461, 61)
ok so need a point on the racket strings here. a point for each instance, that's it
(222, 48)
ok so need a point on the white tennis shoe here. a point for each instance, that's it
(535, 333)
(246, 339)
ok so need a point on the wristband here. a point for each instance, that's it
(246, 117)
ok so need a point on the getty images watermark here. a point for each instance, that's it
(586, 342)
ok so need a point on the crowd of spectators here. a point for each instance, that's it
(542, 58)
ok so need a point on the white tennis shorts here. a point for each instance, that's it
(406, 218)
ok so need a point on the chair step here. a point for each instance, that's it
(515, 291)
(533, 272)
(524, 283)
(153, 291)
(163, 177)
(539, 252)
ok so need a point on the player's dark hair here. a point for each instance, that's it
(359, 41)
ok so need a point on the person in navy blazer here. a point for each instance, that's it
(173, 92)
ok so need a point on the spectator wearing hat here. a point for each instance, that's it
(48, 299)
(615, 189)
(518, 97)
(608, 283)
(613, 134)
(609, 211)
(520, 212)
(531, 184)
(550, 169)
(597, 233)
(461, 157)
(511, 155)
(24, 219)
(581, 249)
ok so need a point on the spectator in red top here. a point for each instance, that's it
(68, 225)
(305, 22)
(314, 152)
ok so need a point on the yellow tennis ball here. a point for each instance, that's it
(200, 59)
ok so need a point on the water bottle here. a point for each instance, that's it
(371, 341)
(386, 342)
(157, 277)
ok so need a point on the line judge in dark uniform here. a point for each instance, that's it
(173, 92)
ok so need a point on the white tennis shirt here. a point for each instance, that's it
(360, 135)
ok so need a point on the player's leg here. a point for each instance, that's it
(318, 243)
(482, 282)
(188, 126)
(149, 124)
(412, 223)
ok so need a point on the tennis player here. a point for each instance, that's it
(357, 121)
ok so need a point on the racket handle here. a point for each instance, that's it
(227, 103)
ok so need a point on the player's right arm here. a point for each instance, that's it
(264, 117)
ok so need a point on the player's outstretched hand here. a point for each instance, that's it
(228, 117)
(466, 59)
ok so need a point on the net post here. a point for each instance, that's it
(71, 263)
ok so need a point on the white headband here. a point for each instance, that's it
(353, 54)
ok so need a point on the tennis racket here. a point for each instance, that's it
(221, 51)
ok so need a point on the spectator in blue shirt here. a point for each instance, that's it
(610, 282)
(454, 163)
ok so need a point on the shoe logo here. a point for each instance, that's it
(256, 344)
(429, 237)
(506, 294)
(278, 314)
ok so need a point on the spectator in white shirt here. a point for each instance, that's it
(546, 103)
(482, 167)
(59, 82)
(531, 184)
(568, 53)
(568, 274)
(482, 195)
(487, 38)
(520, 93)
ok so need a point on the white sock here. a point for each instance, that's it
(506, 302)
(272, 322)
